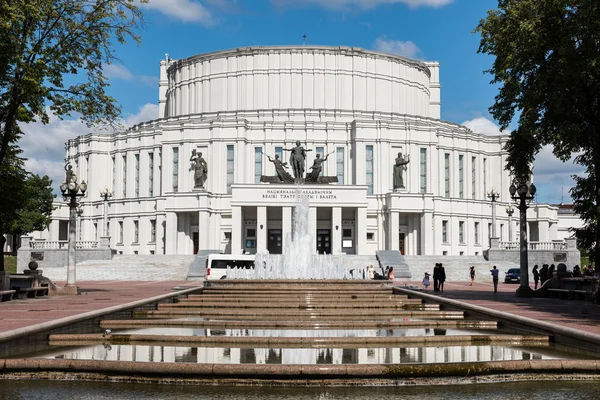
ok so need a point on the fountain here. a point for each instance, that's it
(298, 262)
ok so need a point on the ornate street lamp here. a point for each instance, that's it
(510, 211)
(523, 196)
(71, 190)
(493, 195)
(105, 194)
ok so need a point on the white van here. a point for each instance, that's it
(216, 264)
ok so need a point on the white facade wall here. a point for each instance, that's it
(269, 97)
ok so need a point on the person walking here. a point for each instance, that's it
(436, 277)
(442, 277)
(494, 272)
(472, 275)
(426, 281)
(536, 276)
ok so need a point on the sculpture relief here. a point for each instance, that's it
(280, 169)
(401, 161)
(200, 169)
(297, 157)
(316, 168)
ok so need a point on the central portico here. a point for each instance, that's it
(262, 217)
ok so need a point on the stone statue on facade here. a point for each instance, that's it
(317, 167)
(280, 168)
(401, 161)
(200, 169)
(297, 157)
(70, 175)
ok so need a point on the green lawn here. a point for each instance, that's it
(10, 264)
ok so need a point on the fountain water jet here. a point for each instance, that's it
(298, 260)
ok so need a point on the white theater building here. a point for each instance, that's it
(238, 106)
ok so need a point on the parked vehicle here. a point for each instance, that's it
(513, 275)
(216, 264)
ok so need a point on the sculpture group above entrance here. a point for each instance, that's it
(297, 162)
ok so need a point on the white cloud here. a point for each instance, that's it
(405, 49)
(183, 10)
(44, 145)
(484, 126)
(117, 71)
(360, 4)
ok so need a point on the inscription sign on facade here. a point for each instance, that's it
(37, 256)
(287, 194)
(560, 257)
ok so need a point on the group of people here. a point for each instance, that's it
(546, 272)
(388, 274)
(439, 277)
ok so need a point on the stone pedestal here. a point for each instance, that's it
(4, 280)
(37, 274)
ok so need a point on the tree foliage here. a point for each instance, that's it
(12, 176)
(52, 53)
(547, 66)
(35, 209)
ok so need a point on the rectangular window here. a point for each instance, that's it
(125, 176)
(445, 231)
(501, 232)
(278, 152)
(136, 231)
(447, 174)
(476, 232)
(120, 231)
(152, 231)
(423, 171)
(339, 164)
(461, 176)
(87, 168)
(489, 231)
(257, 164)
(137, 175)
(484, 177)
(176, 169)
(230, 165)
(473, 176)
(151, 174)
(461, 232)
(95, 231)
(114, 173)
(369, 168)
(321, 152)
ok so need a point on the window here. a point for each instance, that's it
(445, 231)
(121, 232)
(423, 171)
(152, 231)
(369, 169)
(461, 232)
(230, 165)
(136, 231)
(151, 174)
(370, 236)
(484, 177)
(125, 176)
(87, 168)
(339, 164)
(461, 175)
(321, 152)
(501, 232)
(114, 174)
(473, 176)
(476, 232)
(257, 164)
(489, 231)
(447, 174)
(278, 152)
(137, 175)
(175, 169)
(95, 231)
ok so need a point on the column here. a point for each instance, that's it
(336, 230)
(236, 230)
(393, 230)
(160, 235)
(312, 227)
(171, 234)
(214, 241)
(544, 231)
(286, 224)
(427, 234)
(204, 231)
(360, 236)
(261, 228)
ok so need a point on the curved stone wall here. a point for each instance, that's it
(256, 78)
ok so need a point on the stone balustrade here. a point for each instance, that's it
(537, 252)
(535, 246)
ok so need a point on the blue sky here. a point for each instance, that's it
(429, 30)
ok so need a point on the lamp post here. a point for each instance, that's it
(71, 190)
(510, 211)
(105, 194)
(493, 195)
(523, 196)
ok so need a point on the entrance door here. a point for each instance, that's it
(401, 244)
(274, 242)
(195, 238)
(324, 241)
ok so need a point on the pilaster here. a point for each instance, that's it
(261, 228)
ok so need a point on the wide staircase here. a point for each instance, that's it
(197, 269)
(393, 258)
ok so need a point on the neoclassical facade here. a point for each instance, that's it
(360, 108)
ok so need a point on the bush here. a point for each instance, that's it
(10, 264)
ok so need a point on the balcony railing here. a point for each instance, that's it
(61, 244)
(535, 246)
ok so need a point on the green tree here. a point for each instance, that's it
(36, 208)
(51, 57)
(547, 66)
